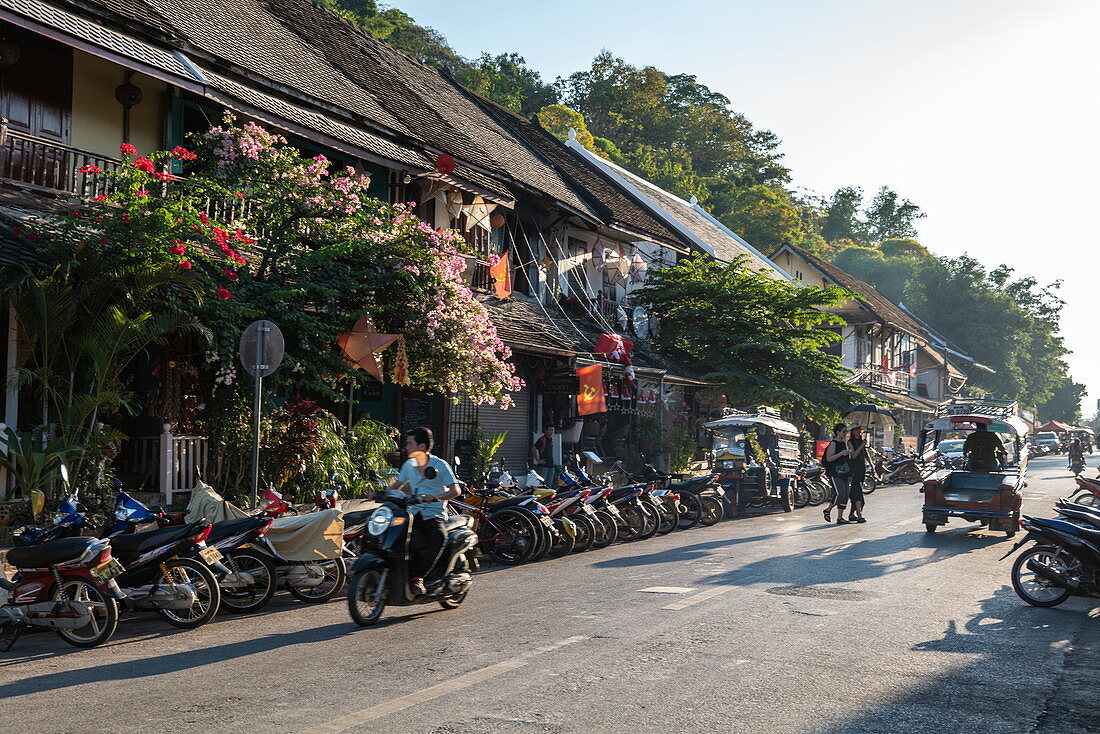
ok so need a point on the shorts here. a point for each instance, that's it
(840, 484)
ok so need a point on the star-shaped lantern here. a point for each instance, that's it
(362, 345)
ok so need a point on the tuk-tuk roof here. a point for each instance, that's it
(752, 420)
(1012, 424)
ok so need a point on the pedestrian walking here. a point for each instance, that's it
(839, 472)
(858, 458)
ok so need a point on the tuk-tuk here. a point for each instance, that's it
(746, 483)
(989, 494)
(1086, 436)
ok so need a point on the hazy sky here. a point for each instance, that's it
(983, 112)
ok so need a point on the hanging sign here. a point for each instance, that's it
(640, 320)
(566, 383)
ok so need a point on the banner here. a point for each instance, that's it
(590, 398)
(502, 277)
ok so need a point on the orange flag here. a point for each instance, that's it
(502, 277)
(590, 399)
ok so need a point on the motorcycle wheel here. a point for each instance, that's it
(690, 510)
(816, 492)
(522, 543)
(911, 475)
(336, 572)
(785, 498)
(563, 544)
(104, 620)
(635, 521)
(365, 604)
(870, 483)
(712, 511)
(800, 496)
(546, 542)
(653, 519)
(207, 593)
(608, 530)
(1086, 498)
(669, 517)
(242, 601)
(586, 533)
(454, 600)
(1034, 589)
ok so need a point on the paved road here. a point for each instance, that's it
(772, 623)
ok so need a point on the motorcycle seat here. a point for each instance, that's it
(138, 543)
(229, 528)
(356, 518)
(458, 522)
(48, 554)
(1088, 533)
(689, 484)
(510, 502)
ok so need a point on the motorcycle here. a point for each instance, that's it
(1064, 560)
(63, 585)
(902, 470)
(381, 575)
(1088, 491)
(1077, 465)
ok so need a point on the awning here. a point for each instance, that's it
(751, 420)
(904, 402)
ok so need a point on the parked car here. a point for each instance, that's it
(950, 452)
(1048, 441)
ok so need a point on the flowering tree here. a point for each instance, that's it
(240, 226)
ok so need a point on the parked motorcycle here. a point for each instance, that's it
(63, 585)
(902, 470)
(380, 576)
(1064, 560)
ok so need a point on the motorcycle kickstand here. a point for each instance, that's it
(10, 643)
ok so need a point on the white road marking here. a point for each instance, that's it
(903, 523)
(695, 599)
(666, 590)
(385, 708)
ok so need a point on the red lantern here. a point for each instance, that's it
(445, 164)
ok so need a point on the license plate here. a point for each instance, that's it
(586, 509)
(104, 572)
(210, 555)
(546, 521)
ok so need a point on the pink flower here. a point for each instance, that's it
(224, 294)
(144, 164)
(143, 192)
(183, 153)
(204, 218)
(178, 249)
(165, 176)
(185, 264)
(103, 241)
(74, 212)
(88, 169)
(124, 217)
(127, 149)
(230, 275)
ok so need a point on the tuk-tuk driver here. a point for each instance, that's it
(984, 450)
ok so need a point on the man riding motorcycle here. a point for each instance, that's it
(431, 480)
(1076, 456)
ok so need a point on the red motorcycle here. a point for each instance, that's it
(1088, 491)
(63, 585)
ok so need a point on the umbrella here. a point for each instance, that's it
(870, 416)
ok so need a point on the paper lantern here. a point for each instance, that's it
(496, 221)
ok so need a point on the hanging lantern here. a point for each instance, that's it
(128, 95)
(445, 164)
(638, 268)
(496, 220)
(599, 256)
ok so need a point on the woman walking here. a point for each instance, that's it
(858, 456)
(839, 471)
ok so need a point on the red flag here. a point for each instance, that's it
(590, 399)
(502, 277)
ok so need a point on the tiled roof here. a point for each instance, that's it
(871, 299)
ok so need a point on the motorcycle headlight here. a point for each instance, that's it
(379, 520)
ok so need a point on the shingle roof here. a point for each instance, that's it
(18, 212)
(865, 293)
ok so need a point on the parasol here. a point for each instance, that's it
(869, 416)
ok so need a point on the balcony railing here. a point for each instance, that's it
(875, 376)
(45, 165)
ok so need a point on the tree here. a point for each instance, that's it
(890, 216)
(506, 79)
(761, 338)
(1065, 402)
(764, 215)
(842, 215)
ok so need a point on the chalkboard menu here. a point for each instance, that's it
(416, 411)
(464, 452)
(562, 383)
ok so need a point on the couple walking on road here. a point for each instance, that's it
(845, 461)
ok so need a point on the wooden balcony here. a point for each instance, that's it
(44, 165)
(872, 375)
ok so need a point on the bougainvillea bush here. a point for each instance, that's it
(240, 225)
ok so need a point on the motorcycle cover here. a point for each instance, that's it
(310, 537)
(205, 502)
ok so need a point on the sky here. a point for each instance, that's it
(983, 112)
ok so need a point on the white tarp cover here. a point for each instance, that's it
(205, 502)
(753, 420)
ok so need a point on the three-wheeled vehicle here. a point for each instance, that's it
(990, 494)
(746, 483)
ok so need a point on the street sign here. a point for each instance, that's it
(261, 348)
(261, 352)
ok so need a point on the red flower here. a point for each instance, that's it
(144, 164)
(230, 275)
(163, 176)
(203, 218)
(224, 294)
(183, 153)
(104, 241)
(128, 149)
(196, 227)
(143, 192)
(240, 195)
(185, 264)
(124, 217)
(74, 212)
(88, 169)
(178, 249)
(101, 197)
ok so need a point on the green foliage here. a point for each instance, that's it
(507, 80)
(1064, 403)
(558, 120)
(887, 217)
(485, 448)
(33, 461)
(761, 338)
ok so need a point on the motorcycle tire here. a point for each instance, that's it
(525, 538)
(816, 492)
(653, 518)
(563, 544)
(208, 593)
(691, 509)
(870, 484)
(336, 570)
(608, 532)
(713, 510)
(785, 498)
(1086, 498)
(800, 496)
(364, 604)
(668, 517)
(104, 619)
(636, 521)
(911, 475)
(256, 597)
(1026, 588)
(586, 533)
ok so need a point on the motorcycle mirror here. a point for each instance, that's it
(64, 471)
(38, 501)
(458, 460)
(430, 473)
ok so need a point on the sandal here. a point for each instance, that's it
(861, 519)
(842, 521)
(827, 514)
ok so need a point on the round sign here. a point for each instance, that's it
(261, 348)
(641, 322)
(445, 164)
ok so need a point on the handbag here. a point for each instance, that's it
(842, 469)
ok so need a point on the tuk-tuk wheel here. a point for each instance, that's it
(785, 494)
(1010, 533)
(930, 527)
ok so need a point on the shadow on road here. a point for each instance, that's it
(681, 553)
(1008, 689)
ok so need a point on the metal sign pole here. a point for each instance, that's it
(257, 406)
